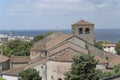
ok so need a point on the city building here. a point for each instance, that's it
(3, 39)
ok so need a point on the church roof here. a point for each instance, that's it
(57, 40)
(82, 22)
(41, 45)
(38, 47)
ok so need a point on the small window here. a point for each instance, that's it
(87, 31)
(41, 66)
(104, 47)
(52, 77)
(80, 30)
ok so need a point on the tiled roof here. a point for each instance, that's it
(39, 47)
(108, 45)
(13, 72)
(114, 62)
(100, 60)
(82, 22)
(57, 40)
(19, 59)
(3, 58)
(111, 56)
(36, 61)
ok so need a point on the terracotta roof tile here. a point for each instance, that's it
(108, 45)
(20, 59)
(39, 47)
(36, 61)
(57, 40)
(82, 22)
(100, 60)
(111, 56)
(114, 62)
(3, 58)
(13, 72)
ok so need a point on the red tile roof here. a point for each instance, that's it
(109, 45)
(100, 60)
(38, 47)
(114, 62)
(82, 22)
(20, 59)
(57, 40)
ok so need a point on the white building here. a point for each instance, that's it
(109, 48)
(3, 39)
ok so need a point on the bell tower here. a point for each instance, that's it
(84, 30)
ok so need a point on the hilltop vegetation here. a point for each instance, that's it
(16, 47)
(20, 48)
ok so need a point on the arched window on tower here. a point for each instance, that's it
(87, 31)
(80, 31)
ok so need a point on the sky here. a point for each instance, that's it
(53, 14)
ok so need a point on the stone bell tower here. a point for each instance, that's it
(84, 30)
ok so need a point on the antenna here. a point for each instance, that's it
(58, 29)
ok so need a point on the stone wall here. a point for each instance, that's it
(17, 65)
(57, 70)
(64, 55)
(68, 45)
(42, 71)
(34, 54)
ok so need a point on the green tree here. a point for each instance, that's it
(117, 48)
(83, 68)
(2, 78)
(29, 74)
(117, 68)
(99, 44)
(104, 74)
(37, 38)
(16, 47)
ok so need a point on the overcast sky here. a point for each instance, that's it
(50, 14)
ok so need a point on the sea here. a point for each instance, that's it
(112, 35)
